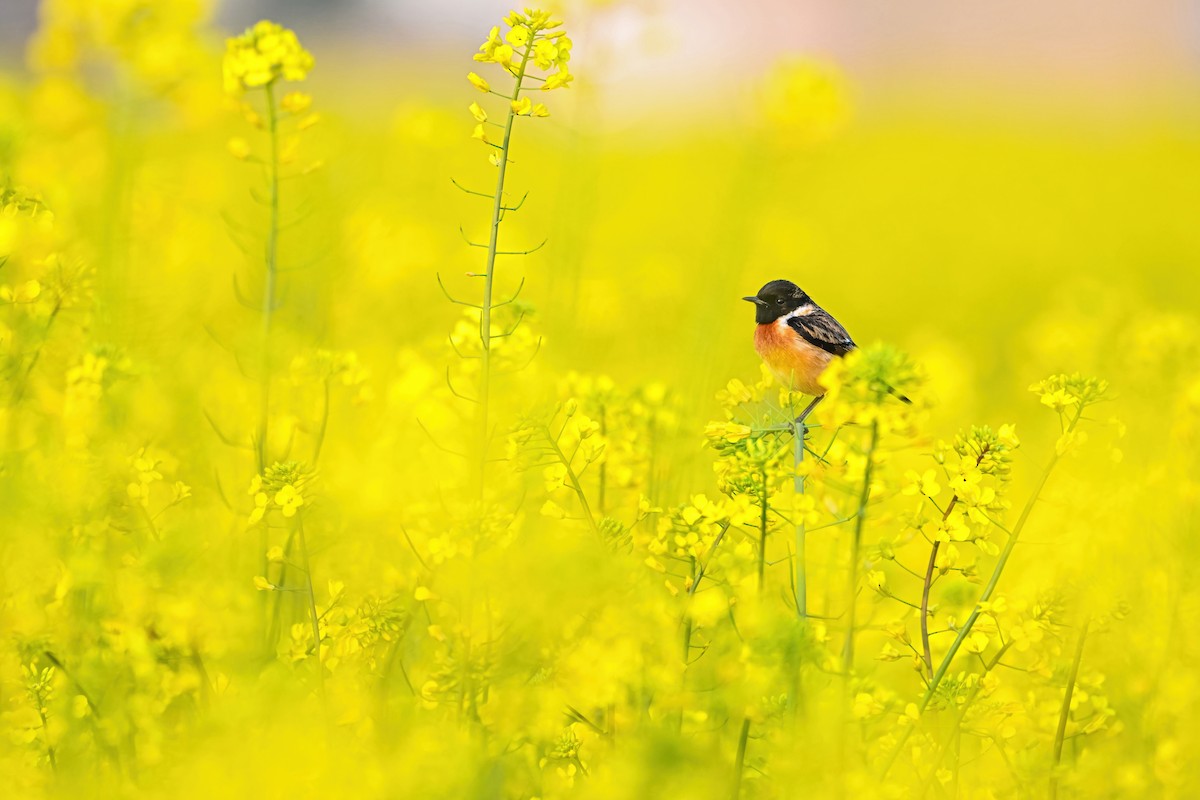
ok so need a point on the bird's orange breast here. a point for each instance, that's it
(795, 362)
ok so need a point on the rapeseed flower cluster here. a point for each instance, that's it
(262, 55)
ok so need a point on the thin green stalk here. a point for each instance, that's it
(801, 532)
(688, 627)
(50, 754)
(485, 321)
(855, 546)
(762, 531)
(1065, 713)
(22, 382)
(574, 479)
(312, 604)
(268, 301)
(603, 479)
(990, 589)
(740, 761)
(324, 424)
(277, 604)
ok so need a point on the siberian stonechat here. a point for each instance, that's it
(796, 338)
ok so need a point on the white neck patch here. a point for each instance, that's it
(802, 311)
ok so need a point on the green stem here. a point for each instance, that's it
(312, 604)
(23, 382)
(762, 531)
(50, 754)
(801, 532)
(740, 760)
(268, 301)
(324, 424)
(574, 479)
(687, 643)
(603, 470)
(485, 320)
(855, 546)
(1065, 713)
(277, 601)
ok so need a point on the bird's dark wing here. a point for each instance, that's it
(820, 329)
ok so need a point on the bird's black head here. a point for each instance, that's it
(776, 299)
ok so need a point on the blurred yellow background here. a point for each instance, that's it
(1002, 191)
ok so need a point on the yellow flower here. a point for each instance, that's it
(517, 37)
(866, 705)
(288, 499)
(477, 112)
(261, 501)
(239, 148)
(924, 483)
(1069, 441)
(262, 55)
(478, 82)
(489, 46)
(139, 492)
(727, 431)
(522, 106)
(262, 584)
(555, 477)
(976, 642)
(540, 110)
(553, 510)
(1007, 435)
(545, 53)
(966, 480)
(559, 80)
(952, 529)
(877, 581)
(295, 102)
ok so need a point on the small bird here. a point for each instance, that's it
(796, 338)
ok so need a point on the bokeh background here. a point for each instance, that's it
(1002, 190)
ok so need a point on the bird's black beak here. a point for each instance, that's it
(758, 301)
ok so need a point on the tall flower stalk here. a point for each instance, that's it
(258, 59)
(534, 43)
(270, 272)
(801, 565)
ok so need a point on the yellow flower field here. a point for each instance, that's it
(397, 431)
